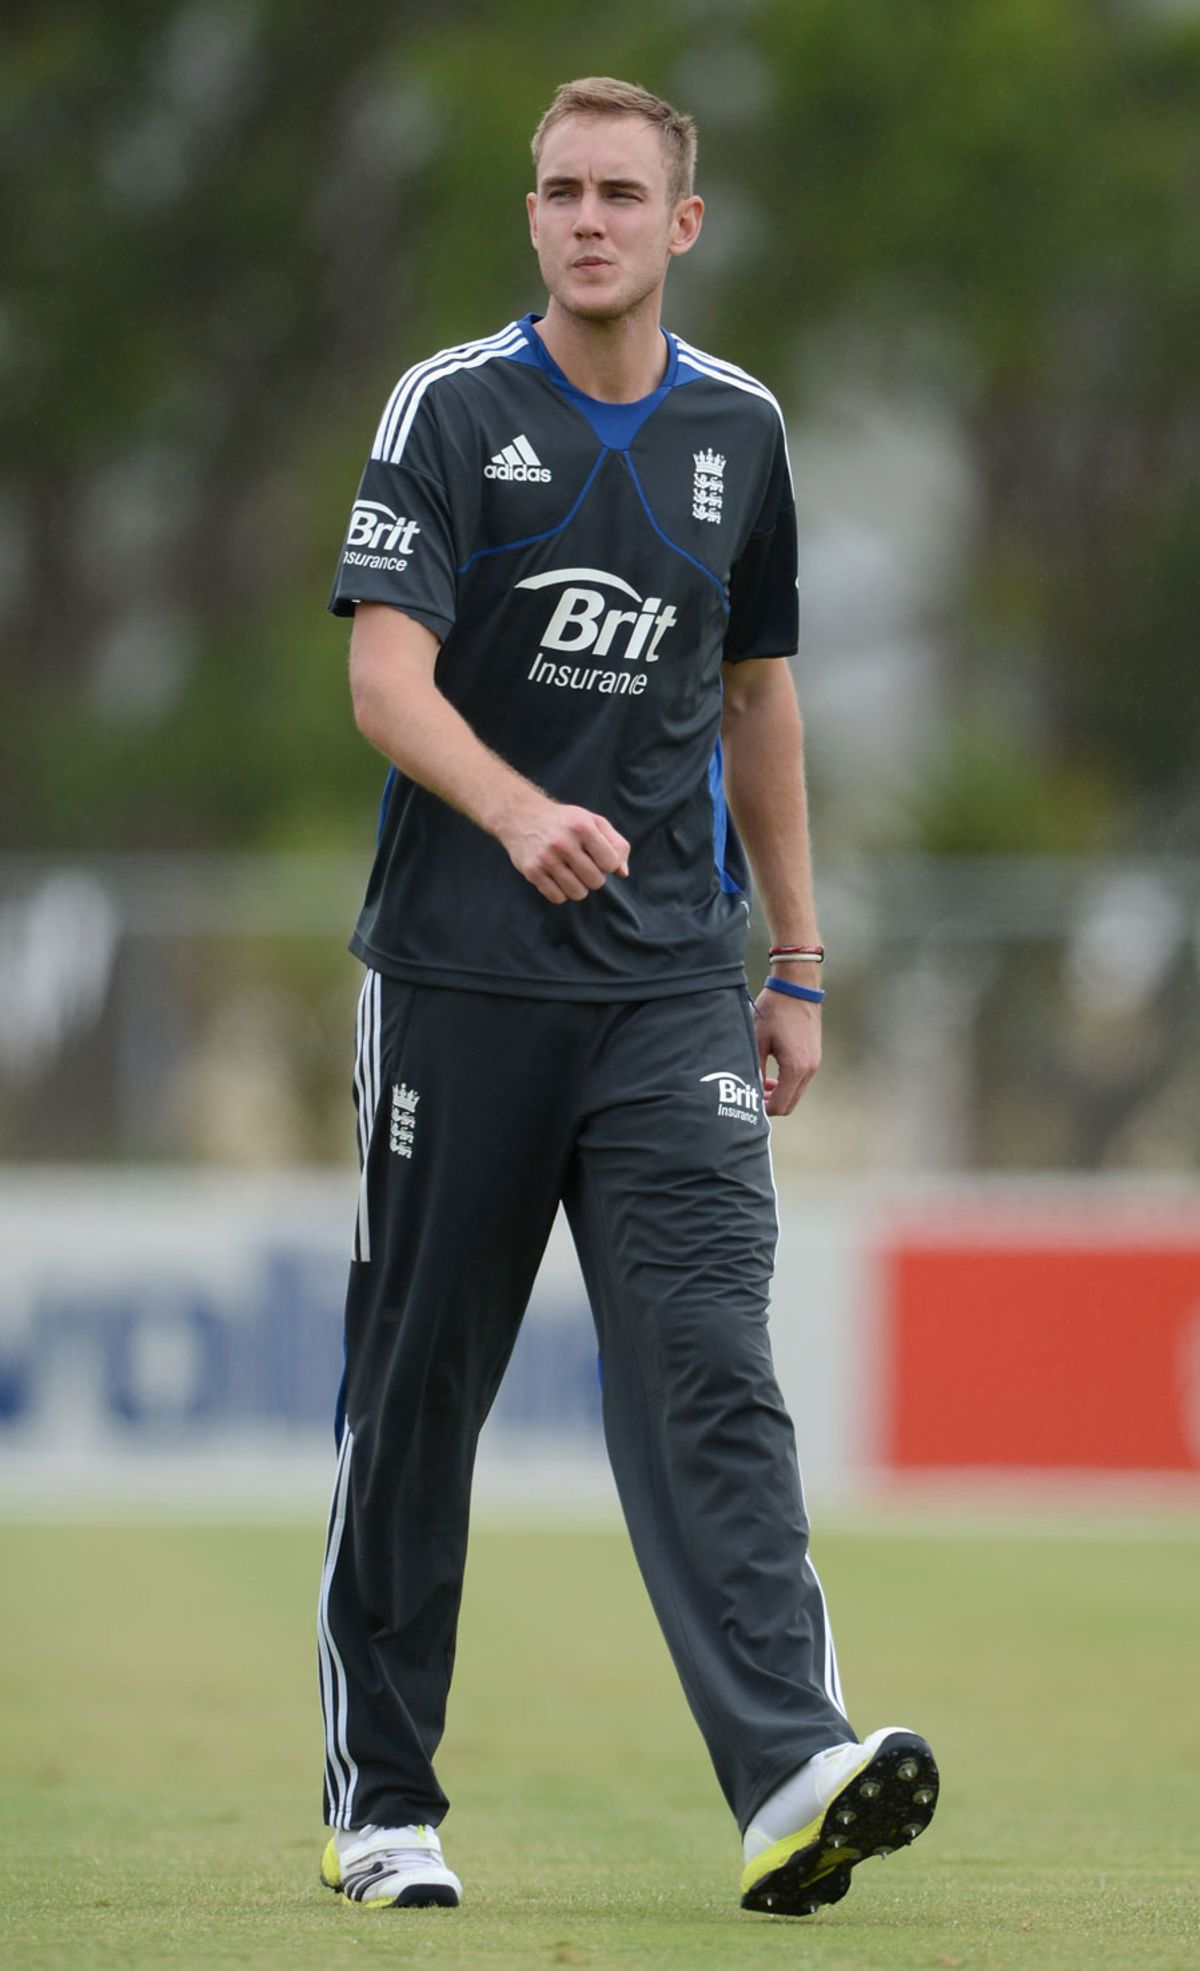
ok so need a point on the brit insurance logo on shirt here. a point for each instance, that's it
(598, 615)
(379, 538)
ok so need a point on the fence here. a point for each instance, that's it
(999, 1015)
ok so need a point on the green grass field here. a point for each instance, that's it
(161, 1753)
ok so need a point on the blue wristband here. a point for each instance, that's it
(812, 993)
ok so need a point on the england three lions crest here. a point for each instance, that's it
(708, 486)
(403, 1120)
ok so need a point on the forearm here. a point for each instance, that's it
(405, 715)
(764, 780)
(765, 785)
(565, 852)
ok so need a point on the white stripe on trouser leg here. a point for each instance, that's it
(830, 1676)
(366, 1096)
(831, 1679)
(376, 1045)
(340, 1769)
(360, 1030)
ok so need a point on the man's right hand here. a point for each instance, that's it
(564, 852)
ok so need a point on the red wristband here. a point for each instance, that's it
(813, 954)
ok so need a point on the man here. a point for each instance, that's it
(571, 567)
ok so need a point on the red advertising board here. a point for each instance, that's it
(1005, 1347)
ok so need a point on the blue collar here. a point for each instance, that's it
(615, 425)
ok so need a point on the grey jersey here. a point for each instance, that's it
(588, 567)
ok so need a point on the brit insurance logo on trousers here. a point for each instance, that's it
(384, 538)
(740, 1100)
(588, 620)
(517, 460)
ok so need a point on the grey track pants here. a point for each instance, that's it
(477, 1115)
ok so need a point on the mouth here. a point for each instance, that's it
(589, 263)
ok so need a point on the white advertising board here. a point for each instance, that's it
(176, 1337)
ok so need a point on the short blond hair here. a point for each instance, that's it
(603, 95)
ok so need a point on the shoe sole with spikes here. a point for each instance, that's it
(881, 1807)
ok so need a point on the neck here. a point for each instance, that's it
(616, 362)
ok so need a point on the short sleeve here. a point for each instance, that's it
(764, 616)
(399, 546)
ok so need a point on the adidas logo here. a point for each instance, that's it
(517, 461)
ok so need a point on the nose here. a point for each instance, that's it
(589, 219)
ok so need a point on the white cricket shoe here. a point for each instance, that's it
(390, 1868)
(842, 1807)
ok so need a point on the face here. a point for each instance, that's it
(602, 221)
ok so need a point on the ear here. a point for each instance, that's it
(685, 225)
(531, 209)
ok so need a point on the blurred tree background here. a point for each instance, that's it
(960, 238)
(228, 224)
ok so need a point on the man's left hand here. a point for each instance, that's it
(789, 1033)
